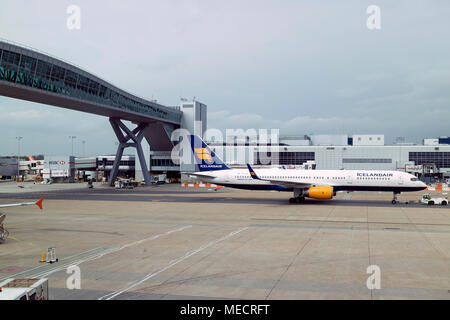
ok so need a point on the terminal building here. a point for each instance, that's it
(430, 161)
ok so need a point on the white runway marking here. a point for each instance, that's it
(98, 256)
(171, 264)
(41, 267)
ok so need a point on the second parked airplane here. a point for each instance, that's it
(316, 184)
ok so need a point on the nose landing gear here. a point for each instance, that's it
(394, 200)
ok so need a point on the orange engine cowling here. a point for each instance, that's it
(320, 192)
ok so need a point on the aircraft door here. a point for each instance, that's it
(349, 178)
(401, 179)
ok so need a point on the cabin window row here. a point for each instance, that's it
(291, 177)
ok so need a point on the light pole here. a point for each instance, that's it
(72, 137)
(18, 155)
(84, 142)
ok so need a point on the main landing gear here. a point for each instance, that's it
(297, 200)
(394, 200)
(298, 196)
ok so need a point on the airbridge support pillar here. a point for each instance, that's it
(124, 135)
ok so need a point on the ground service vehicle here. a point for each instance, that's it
(429, 200)
(24, 289)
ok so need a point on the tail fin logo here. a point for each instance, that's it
(204, 154)
(205, 159)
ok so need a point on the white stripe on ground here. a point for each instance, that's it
(42, 267)
(99, 255)
(170, 265)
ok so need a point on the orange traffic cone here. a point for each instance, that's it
(43, 257)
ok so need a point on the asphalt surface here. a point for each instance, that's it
(176, 193)
(171, 242)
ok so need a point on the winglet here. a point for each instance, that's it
(252, 173)
(39, 202)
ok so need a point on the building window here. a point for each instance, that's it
(71, 79)
(58, 73)
(365, 160)
(10, 58)
(28, 64)
(283, 158)
(44, 69)
(162, 163)
(439, 159)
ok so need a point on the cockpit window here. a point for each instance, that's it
(414, 179)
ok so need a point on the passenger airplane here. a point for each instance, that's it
(3, 232)
(316, 184)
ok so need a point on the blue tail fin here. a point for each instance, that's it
(205, 158)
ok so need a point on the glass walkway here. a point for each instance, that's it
(31, 75)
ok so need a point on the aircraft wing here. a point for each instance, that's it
(20, 204)
(290, 184)
(198, 175)
(286, 183)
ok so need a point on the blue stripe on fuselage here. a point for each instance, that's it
(378, 188)
(335, 188)
(257, 187)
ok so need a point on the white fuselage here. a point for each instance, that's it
(363, 180)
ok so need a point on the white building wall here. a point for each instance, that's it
(368, 140)
(335, 157)
(329, 140)
(430, 142)
(194, 119)
(293, 142)
(60, 166)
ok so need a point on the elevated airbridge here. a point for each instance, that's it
(27, 74)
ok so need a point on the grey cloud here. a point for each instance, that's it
(301, 66)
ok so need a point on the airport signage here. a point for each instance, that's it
(59, 173)
(59, 163)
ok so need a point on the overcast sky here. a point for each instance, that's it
(301, 66)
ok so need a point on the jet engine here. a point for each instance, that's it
(320, 193)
